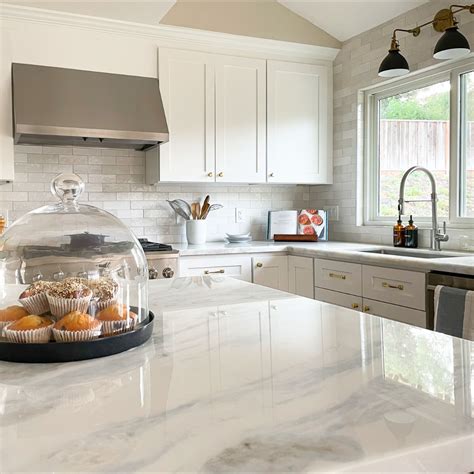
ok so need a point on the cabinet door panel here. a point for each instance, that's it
(300, 276)
(187, 89)
(240, 119)
(299, 123)
(271, 272)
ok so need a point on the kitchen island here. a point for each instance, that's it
(241, 378)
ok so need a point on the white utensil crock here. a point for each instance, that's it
(196, 231)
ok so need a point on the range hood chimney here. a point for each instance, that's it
(56, 106)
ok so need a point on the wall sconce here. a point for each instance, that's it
(451, 45)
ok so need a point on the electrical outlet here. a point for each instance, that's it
(239, 215)
(333, 212)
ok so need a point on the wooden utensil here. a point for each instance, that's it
(193, 210)
(205, 207)
(198, 210)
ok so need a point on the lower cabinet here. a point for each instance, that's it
(339, 299)
(271, 271)
(395, 312)
(239, 267)
(300, 276)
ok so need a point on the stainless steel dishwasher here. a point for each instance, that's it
(466, 282)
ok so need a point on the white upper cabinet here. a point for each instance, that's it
(299, 123)
(243, 120)
(240, 119)
(187, 90)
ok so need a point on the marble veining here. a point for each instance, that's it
(463, 263)
(240, 378)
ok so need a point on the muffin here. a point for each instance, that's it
(104, 293)
(68, 295)
(34, 297)
(76, 326)
(29, 329)
(116, 319)
(10, 314)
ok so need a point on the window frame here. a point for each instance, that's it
(368, 152)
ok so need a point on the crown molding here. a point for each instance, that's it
(165, 35)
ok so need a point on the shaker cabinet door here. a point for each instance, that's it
(271, 271)
(187, 90)
(240, 119)
(299, 105)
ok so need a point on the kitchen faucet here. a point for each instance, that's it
(436, 236)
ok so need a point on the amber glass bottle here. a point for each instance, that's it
(411, 234)
(399, 233)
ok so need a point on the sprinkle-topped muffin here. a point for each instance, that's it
(34, 297)
(29, 329)
(68, 295)
(76, 326)
(104, 292)
(117, 319)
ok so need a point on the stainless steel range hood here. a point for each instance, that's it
(56, 106)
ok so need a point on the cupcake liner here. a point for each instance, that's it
(30, 336)
(4, 324)
(61, 306)
(61, 335)
(36, 304)
(96, 306)
(110, 328)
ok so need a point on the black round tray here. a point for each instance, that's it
(74, 351)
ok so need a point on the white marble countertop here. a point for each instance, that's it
(240, 378)
(462, 262)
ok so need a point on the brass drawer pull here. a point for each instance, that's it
(337, 275)
(207, 272)
(396, 287)
(355, 305)
(366, 309)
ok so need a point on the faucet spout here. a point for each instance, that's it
(436, 235)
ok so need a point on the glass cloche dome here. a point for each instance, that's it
(70, 272)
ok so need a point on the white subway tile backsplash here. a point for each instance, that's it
(115, 181)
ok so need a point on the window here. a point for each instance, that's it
(427, 120)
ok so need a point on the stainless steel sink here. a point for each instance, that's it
(413, 254)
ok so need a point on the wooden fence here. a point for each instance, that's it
(404, 143)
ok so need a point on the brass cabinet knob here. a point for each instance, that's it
(271, 175)
(210, 174)
(259, 265)
(221, 174)
(366, 309)
(355, 305)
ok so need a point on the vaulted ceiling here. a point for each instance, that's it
(344, 19)
(341, 19)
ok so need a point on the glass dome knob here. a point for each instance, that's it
(67, 187)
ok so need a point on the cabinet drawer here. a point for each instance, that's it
(339, 299)
(338, 276)
(399, 287)
(396, 313)
(236, 267)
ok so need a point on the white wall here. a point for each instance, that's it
(356, 67)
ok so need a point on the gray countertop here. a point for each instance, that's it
(457, 262)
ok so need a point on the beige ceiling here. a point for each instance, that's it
(344, 19)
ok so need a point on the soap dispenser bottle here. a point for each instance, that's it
(411, 234)
(399, 233)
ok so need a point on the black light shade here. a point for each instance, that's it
(393, 65)
(451, 45)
